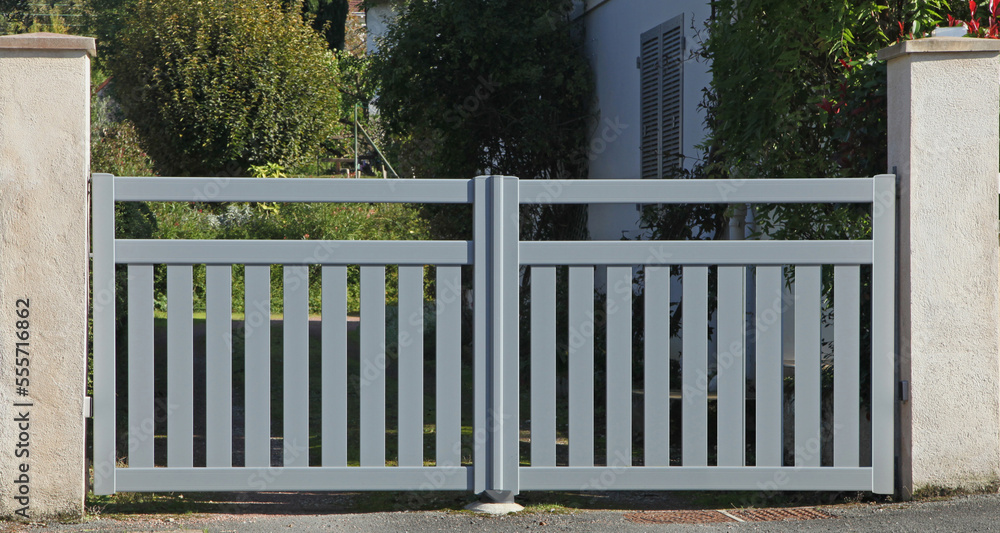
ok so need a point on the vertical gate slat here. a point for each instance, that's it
(497, 356)
(883, 340)
(619, 366)
(769, 366)
(257, 365)
(103, 288)
(846, 365)
(411, 365)
(694, 370)
(656, 369)
(510, 273)
(218, 365)
(731, 366)
(333, 367)
(543, 366)
(581, 366)
(448, 384)
(807, 365)
(481, 327)
(140, 366)
(373, 365)
(180, 366)
(295, 403)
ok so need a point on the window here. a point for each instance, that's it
(661, 84)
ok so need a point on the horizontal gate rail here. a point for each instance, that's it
(765, 191)
(694, 478)
(696, 252)
(306, 190)
(313, 252)
(294, 478)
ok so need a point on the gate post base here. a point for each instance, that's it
(495, 502)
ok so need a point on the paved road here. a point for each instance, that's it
(971, 513)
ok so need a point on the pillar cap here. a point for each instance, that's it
(939, 45)
(49, 41)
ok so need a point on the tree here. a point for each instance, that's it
(105, 19)
(800, 93)
(12, 15)
(23, 16)
(797, 92)
(8, 7)
(329, 18)
(501, 87)
(216, 86)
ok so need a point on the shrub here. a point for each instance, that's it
(292, 222)
(115, 148)
(118, 151)
(216, 86)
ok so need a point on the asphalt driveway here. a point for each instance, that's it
(965, 513)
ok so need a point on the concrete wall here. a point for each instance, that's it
(944, 102)
(44, 164)
(613, 28)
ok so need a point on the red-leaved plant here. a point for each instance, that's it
(974, 26)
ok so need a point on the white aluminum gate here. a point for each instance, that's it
(499, 261)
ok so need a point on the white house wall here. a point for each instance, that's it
(613, 28)
(377, 19)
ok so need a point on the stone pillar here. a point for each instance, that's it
(944, 132)
(44, 164)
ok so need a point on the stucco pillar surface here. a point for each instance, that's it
(944, 133)
(44, 160)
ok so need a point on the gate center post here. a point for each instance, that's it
(497, 281)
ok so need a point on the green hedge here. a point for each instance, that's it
(215, 86)
(279, 222)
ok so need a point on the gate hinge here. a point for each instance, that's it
(904, 391)
(88, 407)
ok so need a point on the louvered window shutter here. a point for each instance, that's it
(661, 63)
